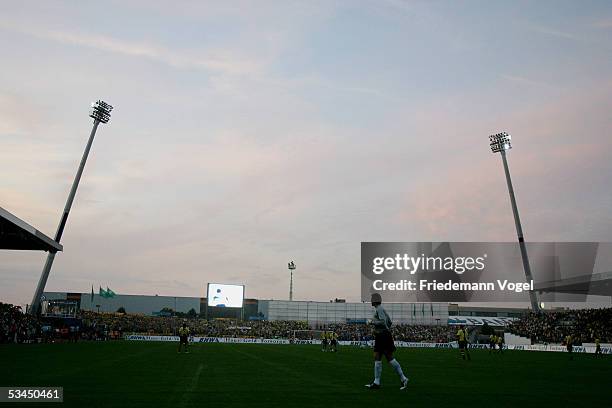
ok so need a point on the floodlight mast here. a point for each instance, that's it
(291, 266)
(499, 143)
(100, 113)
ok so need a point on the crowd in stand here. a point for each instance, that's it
(15, 326)
(433, 334)
(550, 327)
(584, 326)
(258, 329)
(401, 332)
(127, 323)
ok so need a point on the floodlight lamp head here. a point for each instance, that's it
(500, 142)
(100, 111)
(291, 265)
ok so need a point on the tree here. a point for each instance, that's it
(192, 312)
(121, 310)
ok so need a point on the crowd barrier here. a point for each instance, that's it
(407, 344)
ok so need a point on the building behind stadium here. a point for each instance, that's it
(316, 313)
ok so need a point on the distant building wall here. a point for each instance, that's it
(248, 310)
(320, 313)
(313, 312)
(142, 304)
(467, 310)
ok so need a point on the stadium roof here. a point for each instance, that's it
(18, 234)
(595, 284)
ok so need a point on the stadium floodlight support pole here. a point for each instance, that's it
(291, 266)
(100, 113)
(500, 143)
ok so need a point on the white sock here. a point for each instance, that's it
(377, 372)
(398, 369)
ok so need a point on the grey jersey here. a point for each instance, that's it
(381, 320)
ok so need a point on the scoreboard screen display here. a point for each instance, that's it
(221, 295)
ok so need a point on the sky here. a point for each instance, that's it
(249, 133)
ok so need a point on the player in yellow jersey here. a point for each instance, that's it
(324, 341)
(463, 344)
(569, 345)
(183, 337)
(500, 344)
(492, 342)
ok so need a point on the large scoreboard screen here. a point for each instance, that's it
(221, 295)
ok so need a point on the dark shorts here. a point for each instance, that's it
(383, 343)
(463, 344)
(491, 345)
(569, 348)
(334, 342)
(324, 342)
(183, 339)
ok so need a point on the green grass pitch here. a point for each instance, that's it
(143, 374)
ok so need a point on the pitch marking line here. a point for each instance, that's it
(192, 385)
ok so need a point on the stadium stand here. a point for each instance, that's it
(552, 327)
(93, 325)
(15, 326)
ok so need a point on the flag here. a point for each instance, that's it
(110, 293)
(92, 294)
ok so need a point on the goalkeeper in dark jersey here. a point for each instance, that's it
(333, 342)
(598, 347)
(183, 337)
(383, 344)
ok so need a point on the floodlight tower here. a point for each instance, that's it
(100, 113)
(291, 266)
(501, 142)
